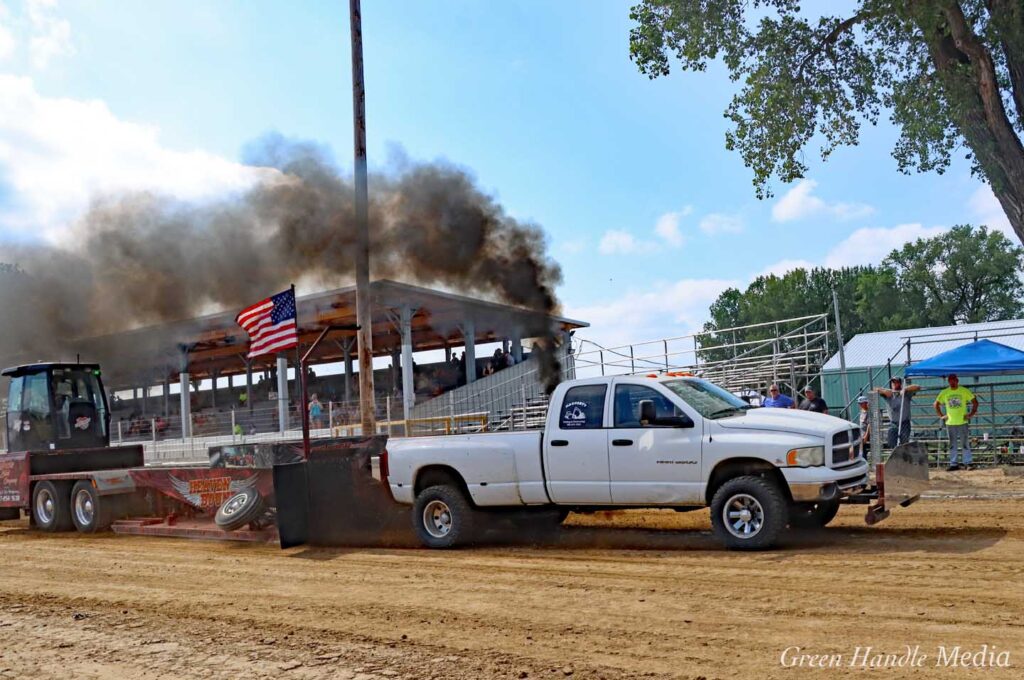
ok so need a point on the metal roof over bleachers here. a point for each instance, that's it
(875, 349)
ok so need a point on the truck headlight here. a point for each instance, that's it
(806, 457)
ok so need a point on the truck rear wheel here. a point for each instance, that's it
(51, 506)
(89, 511)
(442, 517)
(748, 513)
(813, 515)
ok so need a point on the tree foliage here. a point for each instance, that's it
(965, 275)
(949, 72)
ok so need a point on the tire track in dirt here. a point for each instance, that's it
(681, 608)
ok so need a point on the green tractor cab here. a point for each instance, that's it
(56, 406)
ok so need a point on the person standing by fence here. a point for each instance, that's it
(864, 420)
(776, 399)
(316, 412)
(898, 400)
(956, 399)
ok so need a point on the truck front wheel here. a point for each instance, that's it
(748, 513)
(442, 517)
(813, 515)
(89, 511)
(51, 507)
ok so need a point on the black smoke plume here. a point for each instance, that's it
(142, 259)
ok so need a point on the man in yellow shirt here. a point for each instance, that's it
(956, 400)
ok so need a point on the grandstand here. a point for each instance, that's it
(147, 370)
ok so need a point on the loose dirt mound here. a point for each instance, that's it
(984, 482)
(625, 595)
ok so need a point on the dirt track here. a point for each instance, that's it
(614, 596)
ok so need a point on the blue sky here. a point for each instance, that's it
(648, 214)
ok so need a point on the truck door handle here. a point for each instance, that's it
(622, 442)
(559, 442)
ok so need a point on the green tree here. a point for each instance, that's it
(950, 72)
(965, 275)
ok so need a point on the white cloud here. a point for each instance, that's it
(721, 223)
(7, 42)
(986, 209)
(662, 310)
(800, 203)
(56, 155)
(667, 227)
(871, 245)
(573, 247)
(863, 247)
(50, 34)
(622, 242)
(618, 242)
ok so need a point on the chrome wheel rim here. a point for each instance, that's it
(234, 504)
(743, 516)
(85, 509)
(437, 519)
(45, 506)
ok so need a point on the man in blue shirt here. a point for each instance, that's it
(777, 399)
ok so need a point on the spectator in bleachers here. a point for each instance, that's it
(316, 411)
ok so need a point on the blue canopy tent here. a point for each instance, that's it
(982, 357)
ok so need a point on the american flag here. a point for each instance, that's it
(270, 324)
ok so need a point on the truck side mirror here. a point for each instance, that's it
(649, 416)
(648, 412)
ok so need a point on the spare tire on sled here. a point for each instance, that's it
(244, 507)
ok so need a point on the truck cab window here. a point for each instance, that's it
(627, 405)
(14, 411)
(35, 406)
(583, 408)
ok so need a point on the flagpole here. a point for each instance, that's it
(364, 315)
(298, 353)
(300, 372)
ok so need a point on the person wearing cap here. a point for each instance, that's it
(865, 424)
(956, 400)
(812, 402)
(776, 399)
(897, 399)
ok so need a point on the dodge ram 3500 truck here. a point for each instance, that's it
(634, 442)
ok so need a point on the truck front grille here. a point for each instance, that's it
(845, 448)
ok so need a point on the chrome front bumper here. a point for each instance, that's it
(805, 492)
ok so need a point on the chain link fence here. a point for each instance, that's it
(996, 433)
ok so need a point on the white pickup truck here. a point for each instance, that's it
(633, 442)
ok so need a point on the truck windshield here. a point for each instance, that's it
(710, 400)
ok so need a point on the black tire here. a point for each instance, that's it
(7, 514)
(766, 508)
(813, 515)
(51, 506)
(90, 512)
(244, 507)
(443, 518)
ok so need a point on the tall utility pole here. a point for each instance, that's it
(842, 351)
(364, 316)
